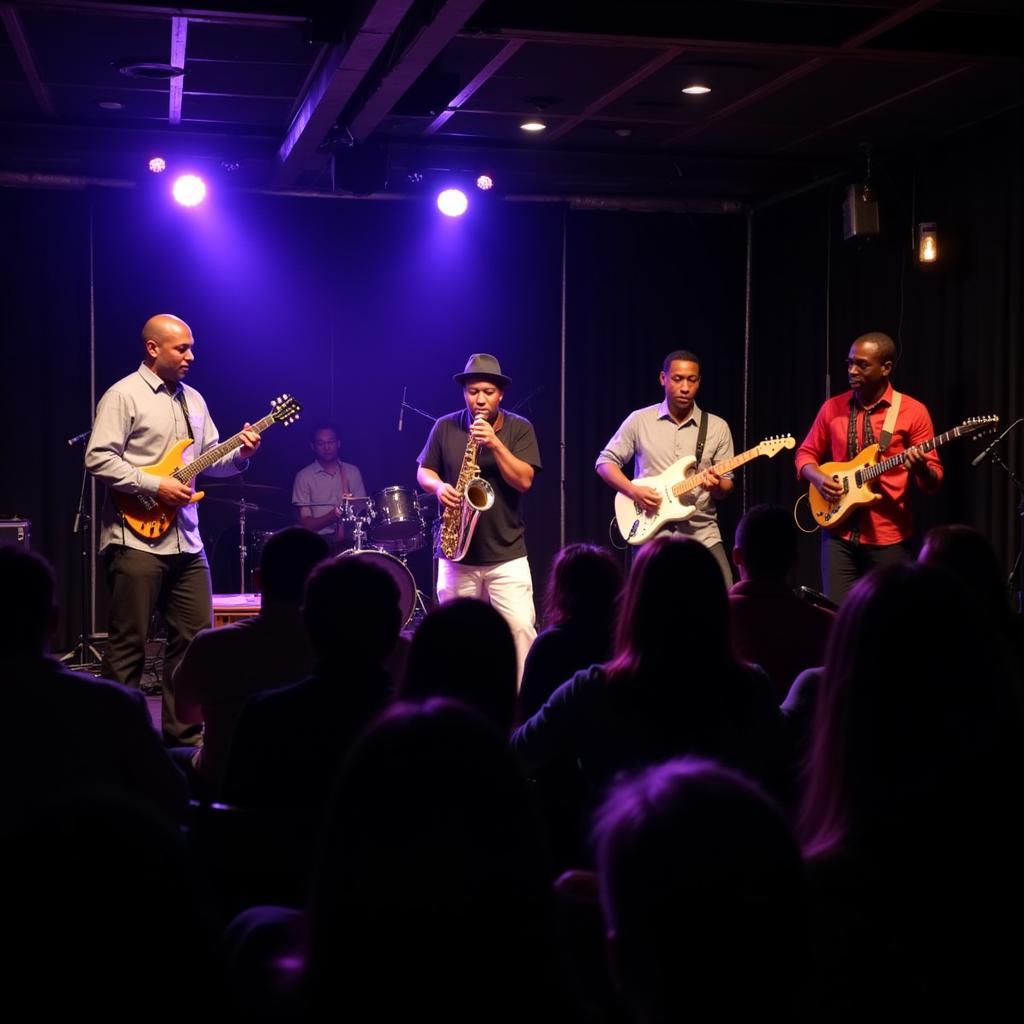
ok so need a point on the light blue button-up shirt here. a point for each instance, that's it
(654, 441)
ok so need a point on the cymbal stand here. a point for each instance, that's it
(357, 519)
(243, 551)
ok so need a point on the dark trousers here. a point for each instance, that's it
(843, 562)
(140, 582)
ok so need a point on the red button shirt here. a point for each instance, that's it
(888, 521)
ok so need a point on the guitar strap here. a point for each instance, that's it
(702, 436)
(885, 437)
(184, 408)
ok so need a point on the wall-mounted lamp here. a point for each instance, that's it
(927, 242)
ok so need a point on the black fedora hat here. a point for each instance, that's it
(482, 366)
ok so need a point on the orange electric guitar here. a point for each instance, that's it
(857, 475)
(147, 516)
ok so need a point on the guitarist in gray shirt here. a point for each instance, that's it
(137, 421)
(660, 435)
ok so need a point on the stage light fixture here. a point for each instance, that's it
(928, 242)
(158, 165)
(189, 190)
(533, 126)
(697, 89)
(485, 183)
(452, 202)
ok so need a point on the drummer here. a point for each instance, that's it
(320, 489)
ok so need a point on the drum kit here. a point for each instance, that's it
(385, 528)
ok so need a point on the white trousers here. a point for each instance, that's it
(508, 586)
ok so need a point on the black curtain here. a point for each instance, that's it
(640, 286)
(44, 332)
(957, 323)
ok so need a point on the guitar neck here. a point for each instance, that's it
(191, 470)
(897, 460)
(692, 482)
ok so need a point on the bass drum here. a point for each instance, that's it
(398, 571)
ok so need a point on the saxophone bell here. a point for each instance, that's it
(479, 494)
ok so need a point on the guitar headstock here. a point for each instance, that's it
(771, 446)
(285, 410)
(985, 424)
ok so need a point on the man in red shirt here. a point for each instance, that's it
(877, 534)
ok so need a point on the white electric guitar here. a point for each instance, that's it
(674, 485)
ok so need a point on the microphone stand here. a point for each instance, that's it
(83, 654)
(1018, 564)
(419, 412)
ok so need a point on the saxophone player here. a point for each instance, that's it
(482, 549)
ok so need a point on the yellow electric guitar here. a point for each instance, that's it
(856, 476)
(147, 516)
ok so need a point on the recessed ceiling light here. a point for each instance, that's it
(697, 90)
(110, 105)
(532, 126)
(152, 69)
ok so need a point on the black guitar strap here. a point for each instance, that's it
(702, 436)
(184, 408)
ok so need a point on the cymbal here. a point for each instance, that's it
(249, 506)
(241, 485)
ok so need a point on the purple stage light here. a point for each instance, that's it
(189, 190)
(158, 165)
(452, 202)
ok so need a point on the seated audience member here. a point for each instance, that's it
(771, 626)
(579, 613)
(673, 687)
(968, 555)
(580, 607)
(288, 743)
(701, 885)
(464, 650)
(433, 897)
(104, 916)
(70, 733)
(223, 667)
(911, 804)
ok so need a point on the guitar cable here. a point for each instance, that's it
(796, 517)
(612, 531)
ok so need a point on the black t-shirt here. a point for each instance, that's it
(499, 531)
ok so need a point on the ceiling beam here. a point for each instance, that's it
(774, 85)
(414, 60)
(179, 38)
(881, 105)
(342, 70)
(735, 48)
(150, 11)
(641, 75)
(16, 32)
(476, 82)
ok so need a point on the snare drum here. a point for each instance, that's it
(397, 571)
(397, 516)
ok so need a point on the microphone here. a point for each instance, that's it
(401, 409)
(79, 438)
(978, 459)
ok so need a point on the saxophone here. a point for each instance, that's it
(458, 524)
